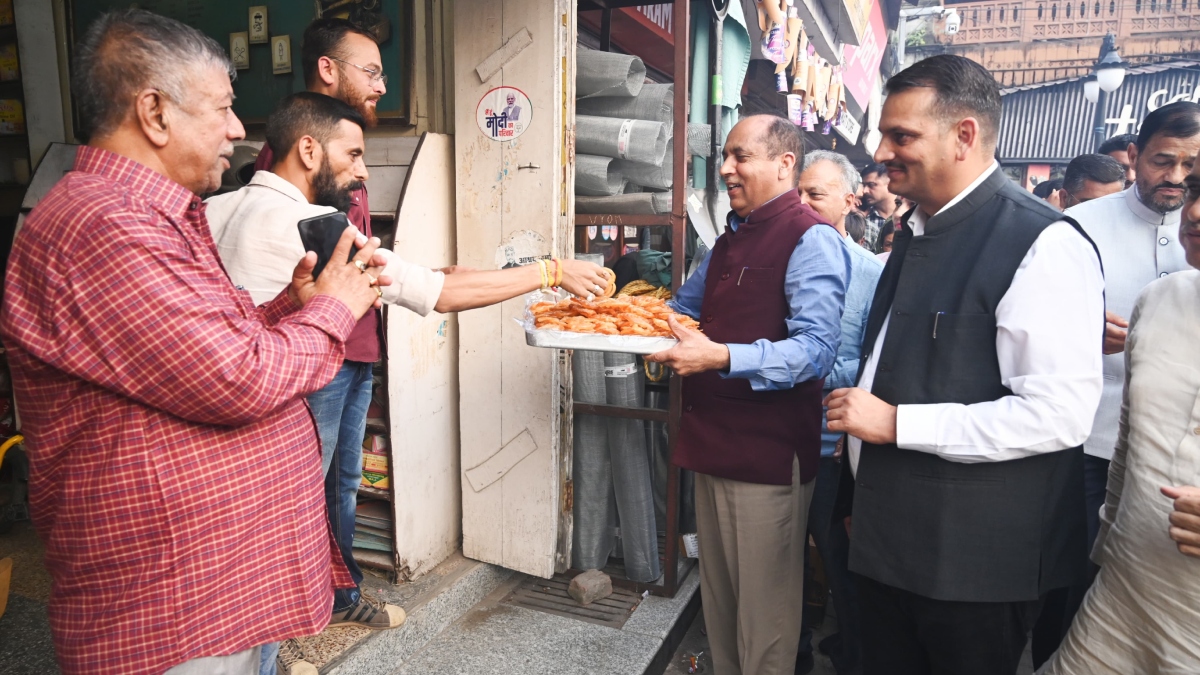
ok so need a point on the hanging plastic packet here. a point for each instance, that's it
(773, 22)
(795, 107)
(794, 25)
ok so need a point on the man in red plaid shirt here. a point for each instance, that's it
(176, 472)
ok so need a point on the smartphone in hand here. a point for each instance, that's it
(321, 234)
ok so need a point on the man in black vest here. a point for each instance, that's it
(981, 376)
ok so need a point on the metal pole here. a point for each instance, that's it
(1100, 128)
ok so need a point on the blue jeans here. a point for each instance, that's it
(341, 413)
(266, 663)
(834, 546)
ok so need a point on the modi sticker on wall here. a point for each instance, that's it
(504, 113)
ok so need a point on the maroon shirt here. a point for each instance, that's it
(363, 343)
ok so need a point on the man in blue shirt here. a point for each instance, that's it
(769, 300)
(827, 184)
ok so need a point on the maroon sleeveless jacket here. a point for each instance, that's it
(727, 429)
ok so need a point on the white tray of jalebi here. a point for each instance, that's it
(625, 324)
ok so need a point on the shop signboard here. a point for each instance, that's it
(848, 127)
(861, 69)
(1026, 137)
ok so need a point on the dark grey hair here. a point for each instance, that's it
(127, 51)
(850, 178)
(307, 113)
(1121, 142)
(1097, 168)
(856, 227)
(961, 88)
(1180, 119)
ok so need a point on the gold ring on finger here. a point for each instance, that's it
(378, 291)
(362, 266)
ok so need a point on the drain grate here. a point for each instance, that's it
(550, 596)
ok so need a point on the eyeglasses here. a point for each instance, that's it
(376, 75)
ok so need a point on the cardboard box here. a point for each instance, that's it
(12, 117)
(375, 464)
(374, 480)
(375, 461)
(10, 69)
(6, 13)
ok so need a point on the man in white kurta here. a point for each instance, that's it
(1142, 615)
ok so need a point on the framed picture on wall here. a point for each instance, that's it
(239, 50)
(259, 34)
(281, 54)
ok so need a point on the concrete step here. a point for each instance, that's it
(495, 636)
(432, 603)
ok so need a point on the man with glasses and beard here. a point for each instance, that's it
(1137, 234)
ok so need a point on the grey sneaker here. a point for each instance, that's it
(292, 660)
(370, 613)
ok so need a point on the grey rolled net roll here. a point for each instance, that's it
(632, 481)
(595, 511)
(606, 74)
(699, 138)
(654, 103)
(642, 203)
(647, 175)
(633, 140)
(595, 176)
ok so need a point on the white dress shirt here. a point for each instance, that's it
(1048, 338)
(259, 244)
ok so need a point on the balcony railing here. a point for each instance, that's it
(1030, 20)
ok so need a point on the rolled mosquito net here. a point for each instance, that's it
(594, 176)
(654, 103)
(595, 510)
(647, 175)
(633, 140)
(643, 203)
(606, 74)
(631, 474)
(699, 138)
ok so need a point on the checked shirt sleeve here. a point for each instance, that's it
(144, 317)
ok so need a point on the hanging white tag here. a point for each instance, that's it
(621, 371)
(623, 139)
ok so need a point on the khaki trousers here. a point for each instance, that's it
(752, 540)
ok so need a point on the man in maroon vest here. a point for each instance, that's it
(769, 299)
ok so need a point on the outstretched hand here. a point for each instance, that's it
(695, 353)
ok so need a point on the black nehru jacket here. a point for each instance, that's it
(983, 532)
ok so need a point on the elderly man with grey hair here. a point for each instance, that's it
(151, 388)
(828, 183)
